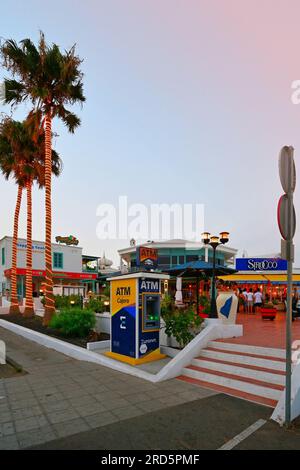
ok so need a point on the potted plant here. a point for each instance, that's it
(268, 311)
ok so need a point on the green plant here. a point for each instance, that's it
(167, 305)
(74, 322)
(268, 305)
(181, 324)
(64, 301)
(95, 304)
(106, 290)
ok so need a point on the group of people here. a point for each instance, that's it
(251, 301)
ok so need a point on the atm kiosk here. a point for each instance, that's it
(135, 317)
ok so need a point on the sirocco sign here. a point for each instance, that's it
(261, 264)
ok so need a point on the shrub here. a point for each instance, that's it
(166, 306)
(181, 324)
(74, 322)
(95, 304)
(64, 301)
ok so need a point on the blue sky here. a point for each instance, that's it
(187, 102)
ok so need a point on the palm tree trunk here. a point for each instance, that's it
(14, 304)
(49, 299)
(29, 310)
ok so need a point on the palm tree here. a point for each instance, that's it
(10, 164)
(23, 156)
(36, 157)
(51, 80)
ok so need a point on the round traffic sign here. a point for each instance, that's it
(283, 218)
(287, 169)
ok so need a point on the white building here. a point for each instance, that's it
(69, 275)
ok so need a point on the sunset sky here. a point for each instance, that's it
(188, 101)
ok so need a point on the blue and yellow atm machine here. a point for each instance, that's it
(135, 317)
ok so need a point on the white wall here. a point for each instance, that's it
(72, 256)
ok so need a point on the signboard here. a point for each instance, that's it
(287, 169)
(260, 264)
(146, 257)
(283, 218)
(123, 316)
(70, 240)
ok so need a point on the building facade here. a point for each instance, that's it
(175, 252)
(69, 277)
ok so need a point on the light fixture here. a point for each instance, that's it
(224, 237)
(205, 236)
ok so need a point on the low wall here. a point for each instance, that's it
(103, 322)
(279, 412)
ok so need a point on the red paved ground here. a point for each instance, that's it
(266, 333)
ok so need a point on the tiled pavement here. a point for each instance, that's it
(266, 333)
(60, 396)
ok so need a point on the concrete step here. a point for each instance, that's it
(245, 348)
(230, 391)
(234, 382)
(252, 373)
(270, 363)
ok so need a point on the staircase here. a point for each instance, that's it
(253, 373)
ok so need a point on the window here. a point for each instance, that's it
(58, 260)
(190, 258)
(3, 256)
(181, 259)
(174, 260)
(164, 260)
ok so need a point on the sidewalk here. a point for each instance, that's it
(205, 424)
(60, 396)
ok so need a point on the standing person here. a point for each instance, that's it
(245, 298)
(250, 301)
(257, 300)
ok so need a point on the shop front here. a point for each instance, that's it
(64, 283)
(265, 274)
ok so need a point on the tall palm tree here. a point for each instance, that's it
(23, 156)
(36, 157)
(51, 80)
(10, 163)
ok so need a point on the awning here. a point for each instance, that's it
(259, 278)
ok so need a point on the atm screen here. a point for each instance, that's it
(151, 311)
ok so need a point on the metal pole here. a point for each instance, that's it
(289, 313)
(213, 305)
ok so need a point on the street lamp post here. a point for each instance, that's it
(214, 242)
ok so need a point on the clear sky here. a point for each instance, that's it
(187, 101)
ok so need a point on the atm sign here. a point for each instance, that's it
(147, 257)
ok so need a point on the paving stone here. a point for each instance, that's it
(71, 427)
(27, 412)
(6, 429)
(9, 443)
(61, 416)
(5, 417)
(90, 409)
(37, 436)
(100, 419)
(28, 424)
